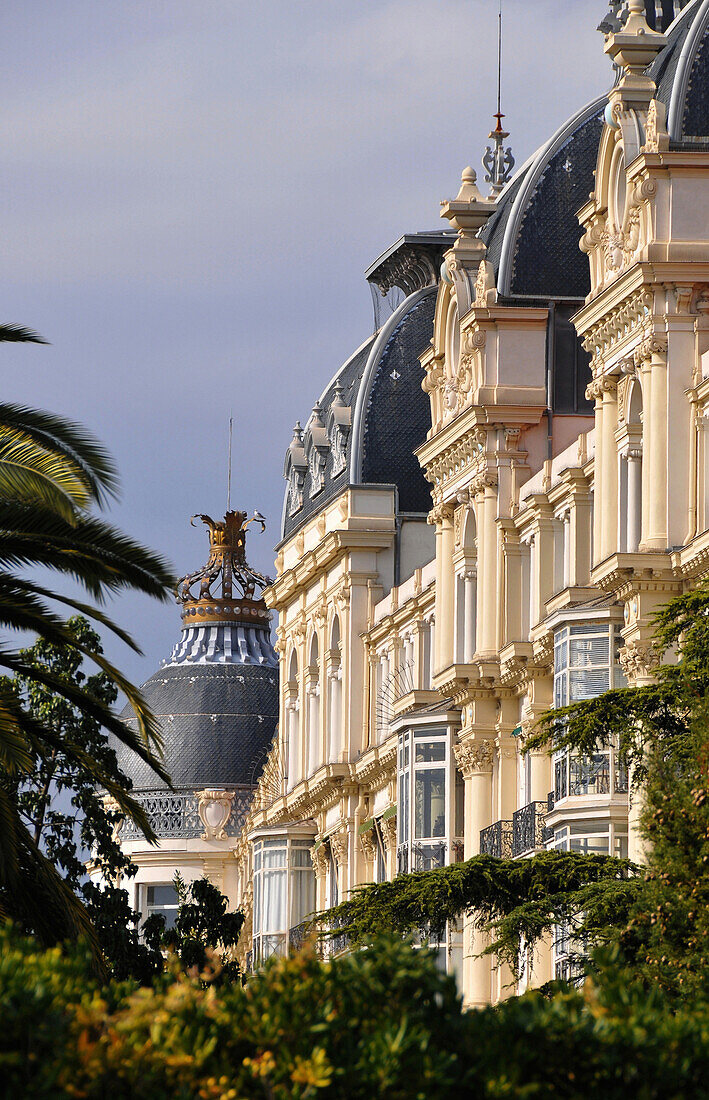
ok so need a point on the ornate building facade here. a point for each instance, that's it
(486, 506)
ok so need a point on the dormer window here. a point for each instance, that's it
(316, 446)
(339, 420)
(294, 470)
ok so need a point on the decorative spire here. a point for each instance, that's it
(498, 162)
(634, 45)
(239, 593)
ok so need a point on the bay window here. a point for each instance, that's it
(430, 817)
(284, 892)
(586, 665)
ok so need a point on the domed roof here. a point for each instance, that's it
(532, 239)
(374, 413)
(216, 698)
(217, 721)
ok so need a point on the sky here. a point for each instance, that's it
(190, 192)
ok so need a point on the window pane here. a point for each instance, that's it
(275, 857)
(403, 815)
(590, 776)
(430, 808)
(590, 628)
(588, 684)
(560, 655)
(589, 845)
(162, 895)
(302, 896)
(300, 857)
(430, 752)
(274, 901)
(588, 651)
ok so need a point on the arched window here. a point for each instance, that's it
(313, 691)
(466, 593)
(334, 732)
(293, 721)
(630, 496)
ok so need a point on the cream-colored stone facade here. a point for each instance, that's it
(415, 658)
(553, 548)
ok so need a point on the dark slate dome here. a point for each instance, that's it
(374, 413)
(533, 237)
(216, 698)
(217, 721)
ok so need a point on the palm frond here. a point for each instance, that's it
(41, 737)
(99, 556)
(67, 439)
(20, 334)
(14, 587)
(31, 473)
(15, 753)
(146, 743)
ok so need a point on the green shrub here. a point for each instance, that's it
(384, 1022)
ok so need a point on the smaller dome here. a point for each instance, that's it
(216, 698)
(217, 722)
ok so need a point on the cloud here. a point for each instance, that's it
(191, 192)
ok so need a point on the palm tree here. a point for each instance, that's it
(51, 474)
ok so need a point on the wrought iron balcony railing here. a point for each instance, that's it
(547, 833)
(496, 840)
(176, 814)
(528, 828)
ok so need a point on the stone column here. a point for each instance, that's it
(470, 580)
(442, 516)
(475, 759)
(320, 860)
(607, 491)
(634, 529)
(485, 485)
(593, 391)
(657, 536)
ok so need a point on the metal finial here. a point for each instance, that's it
(228, 475)
(498, 162)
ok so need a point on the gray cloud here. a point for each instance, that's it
(191, 192)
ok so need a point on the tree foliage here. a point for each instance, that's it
(204, 925)
(52, 474)
(378, 1023)
(658, 917)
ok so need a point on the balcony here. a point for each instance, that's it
(496, 840)
(528, 829)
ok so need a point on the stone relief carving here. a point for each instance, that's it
(214, 807)
(637, 660)
(474, 756)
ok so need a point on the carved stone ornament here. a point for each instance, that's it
(214, 809)
(458, 521)
(485, 291)
(599, 386)
(320, 857)
(473, 757)
(111, 806)
(657, 139)
(388, 827)
(342, 597)
(637, 660)
(366, 843)
(339, 844)
(485, 480)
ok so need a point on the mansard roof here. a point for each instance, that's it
(375, 400)
(532, 239)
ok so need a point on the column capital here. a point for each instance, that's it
(603, 386)
(442, 513)
(653, 346)
(474, 757)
